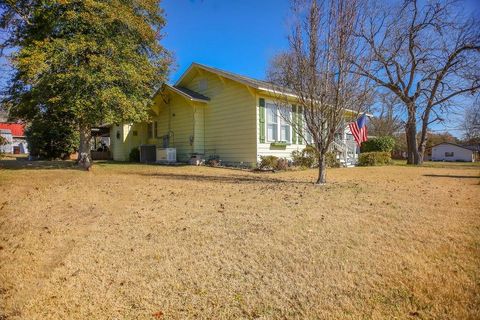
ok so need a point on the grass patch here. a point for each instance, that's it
(132, 241)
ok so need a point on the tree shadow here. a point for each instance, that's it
(22, 164)
(243, 179)
(450, 176)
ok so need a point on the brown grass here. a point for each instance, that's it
(151, 242)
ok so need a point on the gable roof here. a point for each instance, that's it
(187, 93)
(229, 75)
(251, 82)
(17, 129)
(471, 148)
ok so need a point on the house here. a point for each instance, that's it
(14, 133)
(453, 152)
(211, 113)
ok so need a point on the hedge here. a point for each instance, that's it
(374, 158)
(380, 144)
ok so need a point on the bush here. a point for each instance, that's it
(52, 135)
(307, 158)
(134, 155)
(374, 158)
(380, 144)
(331, 160)
(214, 161)
(268, 162)
(273, 163)
(282, 164)
(3, 141)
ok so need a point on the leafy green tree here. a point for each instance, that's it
(3, 141)
(52, 136)
(99, 60)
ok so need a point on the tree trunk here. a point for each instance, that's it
(322, 170)
(423, 137)
(84, 156)
(422, 145)
(411, 134)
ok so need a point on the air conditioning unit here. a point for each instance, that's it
(147, 153)
(166, 155)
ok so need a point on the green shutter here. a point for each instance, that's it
(261, 120)
(300, 124)
(294, 121)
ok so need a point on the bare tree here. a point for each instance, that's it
(387, 121)
(317, 72)
(426, 55)
(471, 123)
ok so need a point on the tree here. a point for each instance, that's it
(316, 71)
(471, 123)
(3, 142)
(387, 121)
(52, 135)
(97, 60)
(437, 138)
(427, 55)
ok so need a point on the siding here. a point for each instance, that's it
(230, 118)
(177, 119)
(459, 154)
(121, 147)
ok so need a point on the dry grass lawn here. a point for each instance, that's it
(152, 242)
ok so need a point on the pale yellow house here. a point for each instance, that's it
(212, 113)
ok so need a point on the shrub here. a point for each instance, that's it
(380, 144)
(134, 155)
(307, 158)
(268, 162)
(374, 158)
(3, 141)
(214, 161)
(331, 160)
(273, 163)
(282, 164)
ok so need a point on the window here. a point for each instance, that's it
(285, 120)
(152, 130)
(272, 122)
(278, 123)
(449, 154)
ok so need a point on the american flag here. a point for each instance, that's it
(359, 129)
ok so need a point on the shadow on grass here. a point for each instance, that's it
(220, 178)
(450, 176)
(22, 164)
(37, 165)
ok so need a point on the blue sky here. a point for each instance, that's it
(236, 35)
(241, 36)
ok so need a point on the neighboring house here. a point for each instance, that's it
(211, 113)
(453, 152)
(15, 135)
